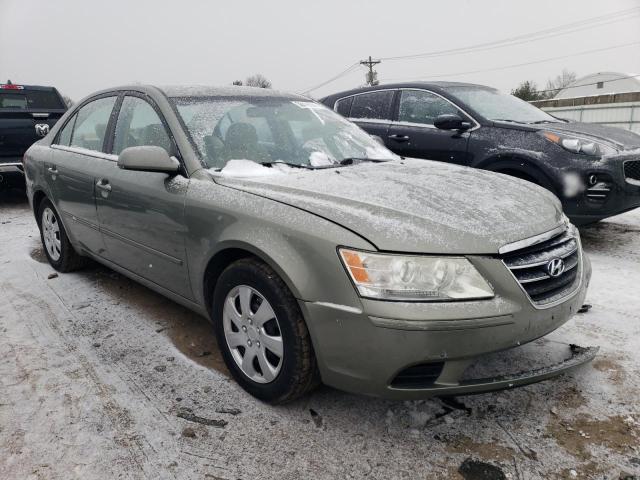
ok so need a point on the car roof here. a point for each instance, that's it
(226, 91)
(202, 91)
(436, 86)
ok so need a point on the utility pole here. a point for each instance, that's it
(372, 75)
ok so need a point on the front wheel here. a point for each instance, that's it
(262, 334)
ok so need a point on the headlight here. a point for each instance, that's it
(578, 145)
(414, 278)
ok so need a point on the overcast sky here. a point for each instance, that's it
(81, 46)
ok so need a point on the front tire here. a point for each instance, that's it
(56, 244)
(261, 333)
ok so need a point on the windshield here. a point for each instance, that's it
(493, 105)
(270, 130)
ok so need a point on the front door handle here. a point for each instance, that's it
(399, 138)
(103, 184)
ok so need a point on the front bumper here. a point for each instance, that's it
(366, 350)
(611, 195)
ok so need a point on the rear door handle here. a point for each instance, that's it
(399, 138)
(103, 184)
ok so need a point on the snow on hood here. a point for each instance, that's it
(415, 206)
(616, 137)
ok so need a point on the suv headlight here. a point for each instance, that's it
(579, 145)
(414, 278)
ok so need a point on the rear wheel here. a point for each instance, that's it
(57, 247)
(262, 334)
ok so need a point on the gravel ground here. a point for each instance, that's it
(102, 378)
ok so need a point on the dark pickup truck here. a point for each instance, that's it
(27, 112)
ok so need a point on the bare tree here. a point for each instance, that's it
(67, 101)
(554, 85)
(258, 80)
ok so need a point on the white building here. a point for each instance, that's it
(601, 83)
(606, 98)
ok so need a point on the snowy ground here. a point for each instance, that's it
(97, 374)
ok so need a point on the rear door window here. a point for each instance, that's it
(91, 124)
(422, 107)
(373, 105)
(139, 125)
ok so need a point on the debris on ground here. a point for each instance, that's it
(188, 415)
(476, 470)
(584, 308)
(230, 411)
(315, 416)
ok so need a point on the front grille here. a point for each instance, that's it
(530, 266)
(632, 169)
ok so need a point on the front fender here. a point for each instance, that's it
(299, 246)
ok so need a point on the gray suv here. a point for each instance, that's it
(317, 254)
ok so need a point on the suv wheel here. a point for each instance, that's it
(261, 333)
(57, 247)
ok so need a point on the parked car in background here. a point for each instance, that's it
(317, 253)
(593, 169)
(27, 113)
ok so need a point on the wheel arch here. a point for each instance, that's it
(38, 196)
(520, 166)
(228, 253)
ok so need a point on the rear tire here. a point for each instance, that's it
(57, 247)
(266, 346)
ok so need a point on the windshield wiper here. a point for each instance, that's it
(290, 164)
(505, 120)
(352, 160)
(543, 121)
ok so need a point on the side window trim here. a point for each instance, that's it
(423, 125)
(107, 146)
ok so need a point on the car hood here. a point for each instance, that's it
(617, 138)
(415, 206)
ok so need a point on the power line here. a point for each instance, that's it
(504, 67)
(339, 75)
(530, 37)
(559, 30)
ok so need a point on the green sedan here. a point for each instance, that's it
(316, 253)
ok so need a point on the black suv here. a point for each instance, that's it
(27, 112)
(593, 169)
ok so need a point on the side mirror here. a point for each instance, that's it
(147, 159)
(451, 122)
